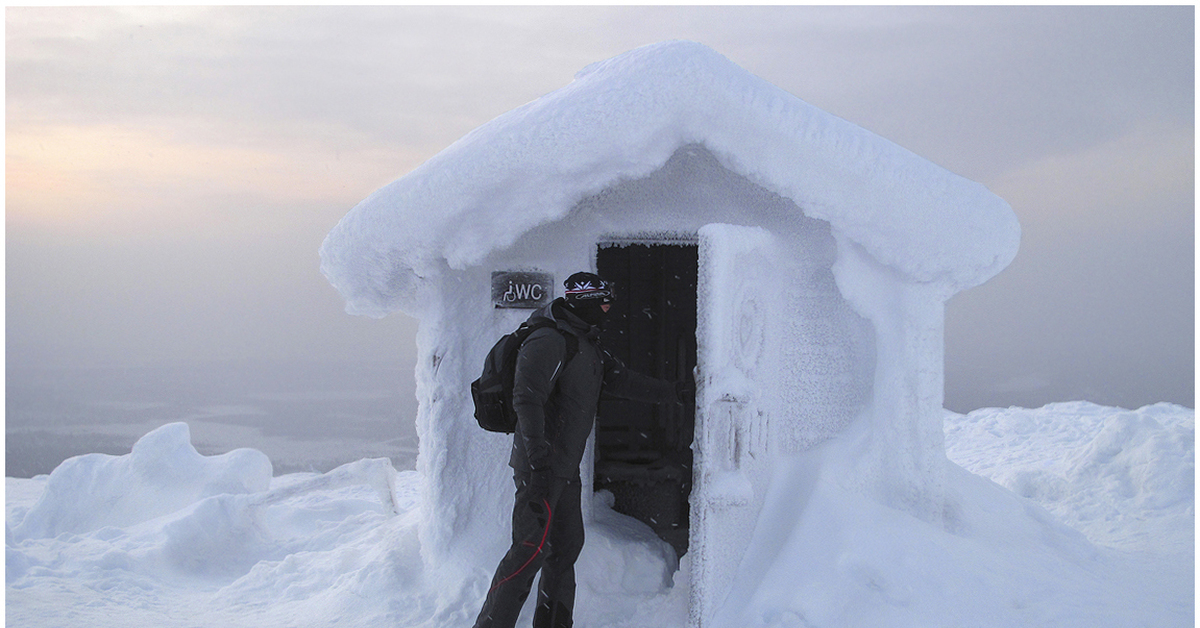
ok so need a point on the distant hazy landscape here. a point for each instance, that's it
(304, 416)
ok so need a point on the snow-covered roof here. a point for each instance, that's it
(622, 119)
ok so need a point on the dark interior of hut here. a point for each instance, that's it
(643, 451)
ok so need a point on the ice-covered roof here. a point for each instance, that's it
(622, 119)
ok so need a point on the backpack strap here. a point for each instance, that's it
(572, 348)
(572, 340)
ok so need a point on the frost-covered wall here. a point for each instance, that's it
(814, 362)
(823, 374)
(834, 336)
(902, 427)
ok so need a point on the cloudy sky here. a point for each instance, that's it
(170, 173)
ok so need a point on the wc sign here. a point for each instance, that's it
(521, 289)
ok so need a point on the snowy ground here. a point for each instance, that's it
(167, 537)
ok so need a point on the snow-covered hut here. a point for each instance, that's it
(797, 262)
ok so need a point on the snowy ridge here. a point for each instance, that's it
(622, 119)
(1122, 477)
(162, 475)
(342, 549)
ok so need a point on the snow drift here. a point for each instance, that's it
(341, 548)
(162, 475)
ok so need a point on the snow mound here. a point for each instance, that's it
(170, 529)
(1125, 478)
(161, 475)
(832, 555)
(622, 566)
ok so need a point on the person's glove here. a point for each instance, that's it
(539, 491)
(537, 453)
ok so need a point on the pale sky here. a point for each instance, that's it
(171, 172)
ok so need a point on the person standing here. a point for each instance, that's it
(561, 371)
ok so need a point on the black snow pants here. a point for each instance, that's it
(547, 535)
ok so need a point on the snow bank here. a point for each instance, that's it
(161, 475)
(1000, 560)
(342, 548)
(1125, 478)
(164, 536)
(621, 120)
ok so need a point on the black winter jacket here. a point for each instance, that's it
(556, 407)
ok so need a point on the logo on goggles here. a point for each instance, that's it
(588, 291)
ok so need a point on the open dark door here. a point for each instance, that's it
(643, 451)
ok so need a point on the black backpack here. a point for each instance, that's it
(492, 392)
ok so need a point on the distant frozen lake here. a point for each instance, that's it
(304, 416)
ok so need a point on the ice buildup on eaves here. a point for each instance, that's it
(621, 120)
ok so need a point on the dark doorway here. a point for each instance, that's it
(643, 451)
